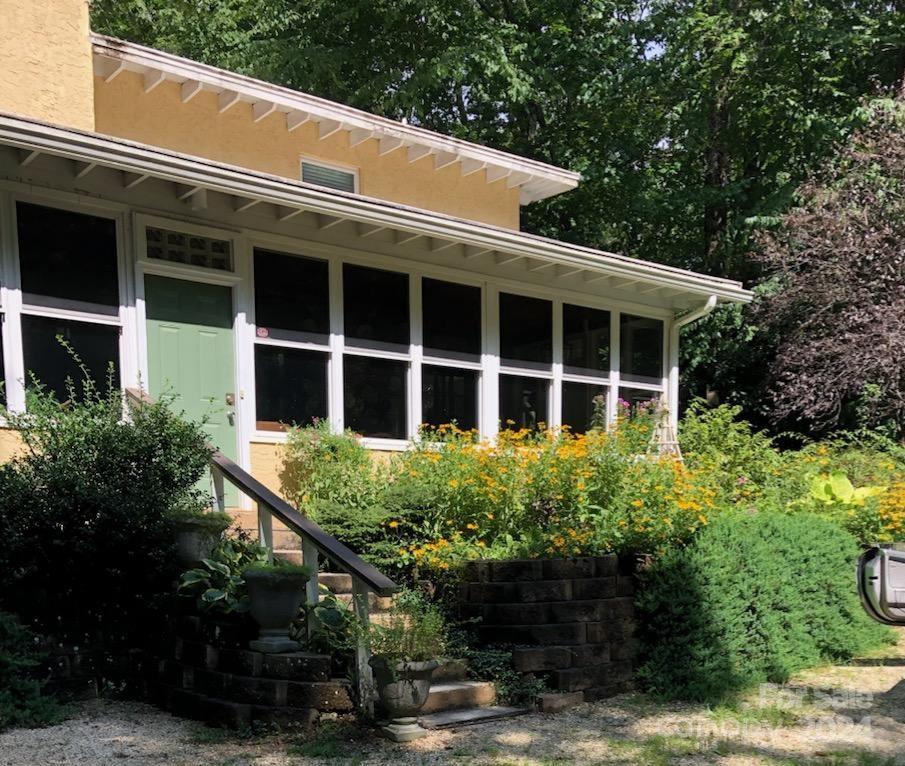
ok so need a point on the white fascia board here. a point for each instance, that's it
(547, 179)
(195, 172)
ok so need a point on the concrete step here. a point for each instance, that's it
(457, 695)
(449, 718)
(336, 582)
(376, 603)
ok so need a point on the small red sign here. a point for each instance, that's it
(263, 332)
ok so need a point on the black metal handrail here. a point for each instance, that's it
(331, 548)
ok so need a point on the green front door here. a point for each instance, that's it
(191, 353)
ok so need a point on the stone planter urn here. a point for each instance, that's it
(275, 595)
(196, 536)
(402, 688)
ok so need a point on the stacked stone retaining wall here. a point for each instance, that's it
(569, 621)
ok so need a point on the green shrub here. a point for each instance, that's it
(319, 465)
(22, 702)
(754, 598)
(86, 514)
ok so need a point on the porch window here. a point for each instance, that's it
(632, 399)
(641, 349)
(68, 266)
(290, 386)
(586, 340)
(376, 308)
(374, 396)
(292, 318)
(523, 402)
(579, 403)
(449, 395)
(52, 364)
(451, 325)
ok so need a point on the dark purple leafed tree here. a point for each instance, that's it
(839, 304)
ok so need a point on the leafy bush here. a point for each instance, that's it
(754, 598)
(512, 688)
(22, 702)
(413, 631)
(319, 465)
(86, 513)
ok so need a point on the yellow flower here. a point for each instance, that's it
(471, 526)
(637, 503)
(393, 524)
(453, 483)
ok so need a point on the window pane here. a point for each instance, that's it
(376, 306)
(290, 386)
(452, 318)
(632, 399)
(526, 330)
(51, 364)
(374, 396)
(523, 402)
(291, 293)
(586, 339)
(190, 249)
(67, 255)
(449, 396)
(578, 405)
(641, 349)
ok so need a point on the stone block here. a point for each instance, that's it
(620, 629)
(597, 632)
(210, 683)
(493, 593)
(625, 585)
(527, 570)
(477, 571)
(537, 659)
(568, 569)
(548, 590)
(296, 666)
(190, 652)
(235, 715)
(327, 696)
(565, 634)
(622, 607)
(516, 614)
(594, 587)
(553, 702)
(606, 566)
(605, 691)
(575, 679)
(242, 662)
(589, 655)
(576, 611)
(624, 650)
(256, 691)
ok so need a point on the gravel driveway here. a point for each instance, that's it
(851, 715)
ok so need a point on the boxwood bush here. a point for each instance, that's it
(755, 597)
(86, 514)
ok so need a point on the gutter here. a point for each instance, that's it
(673, 350)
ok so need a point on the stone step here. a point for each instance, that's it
(469, 716)
(376, 603)
(336, 582)
(457, 695)
(292, 666)
(330, 695)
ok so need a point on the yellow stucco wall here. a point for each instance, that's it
(45, 61)
(10, 444)
(123, 109)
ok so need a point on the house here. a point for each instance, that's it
(272, 257)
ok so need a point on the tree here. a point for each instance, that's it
(838, 304)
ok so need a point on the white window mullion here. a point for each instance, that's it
(337, 341)
(490, 361)
(555, 398)
(613, 393)
(416, 351)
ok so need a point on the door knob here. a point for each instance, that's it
(231, 417)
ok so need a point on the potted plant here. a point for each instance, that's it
(276, 591)
(404, 649)
(198, 531)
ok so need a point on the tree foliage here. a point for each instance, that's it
(838, 307)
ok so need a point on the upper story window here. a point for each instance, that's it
(189, 249)
(331, 177)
